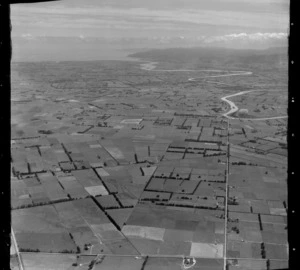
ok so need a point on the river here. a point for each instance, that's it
(150, 66)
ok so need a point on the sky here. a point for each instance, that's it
(205, 21)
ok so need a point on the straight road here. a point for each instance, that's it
(17, 250)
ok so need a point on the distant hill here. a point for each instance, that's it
(200, 57)
(79, 48)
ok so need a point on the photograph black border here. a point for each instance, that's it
(5, 117)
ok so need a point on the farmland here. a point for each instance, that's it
(135, 164)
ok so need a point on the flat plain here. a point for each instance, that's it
(140, 165)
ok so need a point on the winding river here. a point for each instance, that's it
(150, 66)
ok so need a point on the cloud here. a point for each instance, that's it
(28, 36)
(247, 37)
(58, 16)
(242, 40)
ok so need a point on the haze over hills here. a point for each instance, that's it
(52, 48)
(73, 30)
(271, 58)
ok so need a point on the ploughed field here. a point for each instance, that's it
(125, 164)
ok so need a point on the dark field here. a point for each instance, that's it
(135, 165)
